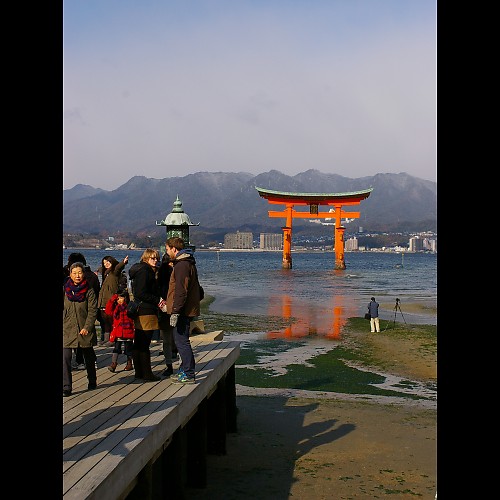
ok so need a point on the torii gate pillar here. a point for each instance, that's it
(287, 248)
(339, 247)
(287, 238)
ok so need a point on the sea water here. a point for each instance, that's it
(317, 297)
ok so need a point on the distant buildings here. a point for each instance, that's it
(238, 240)
(425, 241)
(271, 241)
(244, 241)
(419, 244)
(351, 245)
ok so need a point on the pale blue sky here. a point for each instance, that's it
(173, 87)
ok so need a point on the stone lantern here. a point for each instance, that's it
(177, 224)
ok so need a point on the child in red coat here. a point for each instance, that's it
(123, 328)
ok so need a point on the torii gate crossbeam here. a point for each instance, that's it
(313, 200)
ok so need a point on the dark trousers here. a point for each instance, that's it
(181, 339)
(79, 356)
(106, 322)
(127, 349)
(142, 340)
(167, 336)
(89, 358)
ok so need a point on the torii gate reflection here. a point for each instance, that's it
(324, 320)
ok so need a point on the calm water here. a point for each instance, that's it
(317, 296)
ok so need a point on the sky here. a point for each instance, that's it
(167, 88)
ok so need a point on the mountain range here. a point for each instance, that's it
(228, 202)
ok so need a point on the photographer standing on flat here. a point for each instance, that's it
(373, 311)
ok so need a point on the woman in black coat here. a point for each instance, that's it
(145, 291)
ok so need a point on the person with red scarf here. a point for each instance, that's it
(123, 328)
(79, 316)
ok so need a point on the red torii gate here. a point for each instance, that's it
(314, 200)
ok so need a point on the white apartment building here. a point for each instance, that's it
(416, 244)
(351, 244)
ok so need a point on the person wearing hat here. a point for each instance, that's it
(123, 328)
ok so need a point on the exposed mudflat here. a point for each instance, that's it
(295, 443)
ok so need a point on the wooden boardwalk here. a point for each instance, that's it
(145, 440)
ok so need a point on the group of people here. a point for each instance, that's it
(169, 296)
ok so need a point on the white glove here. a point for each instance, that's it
(173, 320)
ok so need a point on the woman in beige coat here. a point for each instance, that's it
(79, 316)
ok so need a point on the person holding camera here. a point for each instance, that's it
(373, 312)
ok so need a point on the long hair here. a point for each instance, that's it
(104, 269)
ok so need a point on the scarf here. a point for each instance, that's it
(120, 308)
(76, 293)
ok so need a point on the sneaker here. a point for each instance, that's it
(167, 372)
(183, 379)
(81, 366)
(177, 375)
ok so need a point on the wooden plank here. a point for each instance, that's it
(112, 405)
(113, 432)
(140, 433)
(209, 336)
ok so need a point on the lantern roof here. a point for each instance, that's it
(177, 217)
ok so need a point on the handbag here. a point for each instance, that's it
(367, 316)
(133, 309)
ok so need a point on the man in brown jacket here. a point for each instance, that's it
(183, 304)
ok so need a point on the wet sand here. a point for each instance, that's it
(322, 445)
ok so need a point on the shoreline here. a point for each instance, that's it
(270, 392)
(262, 250)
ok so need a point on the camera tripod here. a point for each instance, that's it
(396, 307)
